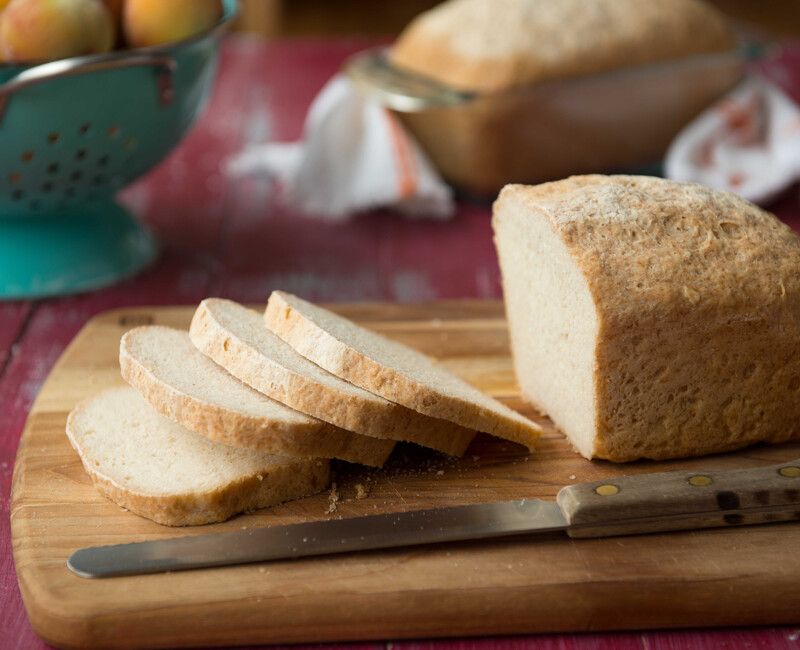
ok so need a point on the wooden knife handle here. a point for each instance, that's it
(682, 500)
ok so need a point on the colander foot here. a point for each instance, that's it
(79, 249)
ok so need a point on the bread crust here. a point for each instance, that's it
(489, 47)
(697, 294)
(317, 439)
(343, 360)
(276, 483)
(376, 417)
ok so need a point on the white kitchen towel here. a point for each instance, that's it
(354, 156)
(747, 143)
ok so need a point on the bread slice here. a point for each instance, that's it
(237, 339)
(649, 318)
(391, 369)
(189, 388)
(160, 470)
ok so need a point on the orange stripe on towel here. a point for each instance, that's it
(407, 182)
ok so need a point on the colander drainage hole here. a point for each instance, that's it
(53, 137)
(80, 154)
(52, 168)
(75, 176)
(17, 195)
(102, 161)
(47, 187)
(14, 178)
(100, 179)
(35, 205)
(69, 192)
(113, 131)
(26, 156)
(84, 128)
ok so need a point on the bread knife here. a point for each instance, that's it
(647, 503)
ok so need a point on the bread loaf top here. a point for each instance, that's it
(492, 45)
(650, 247)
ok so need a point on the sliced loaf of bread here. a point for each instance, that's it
(160, 470)
(237, 339)
(390, 369)
(186, 386)
(649, 318)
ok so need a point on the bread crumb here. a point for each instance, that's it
(572, 477)
(361, 491)
(260, 477)
(333, 499)
(261, 569)
(440, 472)
(691, 295)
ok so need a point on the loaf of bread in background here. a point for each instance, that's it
(651, 319)
(492, 45)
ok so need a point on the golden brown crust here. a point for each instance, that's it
(697, 294)
(341, 359)
(314, 440)
(377, 418)
(487, 46)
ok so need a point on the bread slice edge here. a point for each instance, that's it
(339, 358)
(393, 422)
(250, 492)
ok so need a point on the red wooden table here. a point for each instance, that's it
(228, 238)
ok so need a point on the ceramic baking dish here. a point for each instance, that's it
(619, 120)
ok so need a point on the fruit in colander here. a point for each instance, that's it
(154, 22)
(43, 30)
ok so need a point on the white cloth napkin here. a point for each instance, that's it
(354, 156)
(747, 143)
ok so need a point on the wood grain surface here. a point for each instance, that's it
(714, 577)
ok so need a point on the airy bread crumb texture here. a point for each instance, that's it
(160, 470)
(492, 45)
(183, 384)
(390, 369)
(652, 319)
(238, 340)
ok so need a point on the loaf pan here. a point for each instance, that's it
(618, 120)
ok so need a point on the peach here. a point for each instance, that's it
(43, 30)
(155, 22)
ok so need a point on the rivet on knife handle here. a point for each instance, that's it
(682, 500)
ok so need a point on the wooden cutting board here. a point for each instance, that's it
(733, 576)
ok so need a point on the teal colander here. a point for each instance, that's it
(72, 133)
